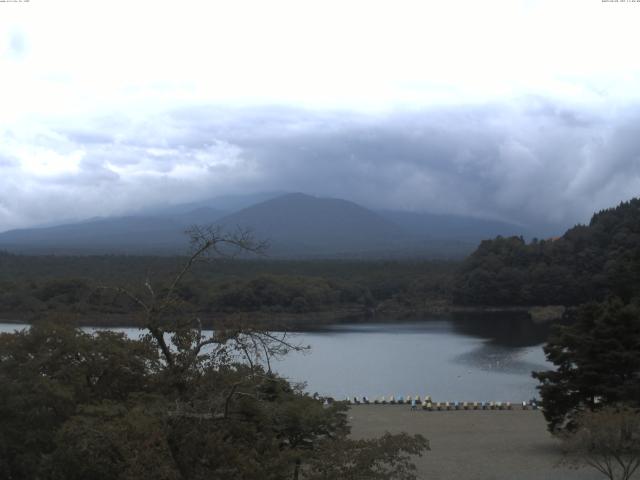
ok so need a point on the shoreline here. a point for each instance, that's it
(308, 321)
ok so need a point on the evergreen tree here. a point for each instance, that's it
(597, 362)
(589, 262)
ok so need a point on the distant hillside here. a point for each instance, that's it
(151, 235)
(586, 263)
(298, 224)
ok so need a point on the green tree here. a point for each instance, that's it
(597, 362)
(588, 262)
(176, 404)
(47, 373)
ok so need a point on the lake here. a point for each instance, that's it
(485, 357)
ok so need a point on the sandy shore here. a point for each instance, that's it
(475, 445)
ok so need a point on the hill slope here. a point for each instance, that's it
(296, 224)
(588, 262)
(135, 234)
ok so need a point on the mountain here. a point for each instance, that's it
(298, 224)
(295, 225)
(131, 234)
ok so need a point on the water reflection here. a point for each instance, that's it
(508, 329)
(490, 357)
(432, 325)
(466, 357)
(512, 329)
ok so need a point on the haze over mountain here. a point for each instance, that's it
(223, 203)
(295, 225)
(447, 227)
(130, 234)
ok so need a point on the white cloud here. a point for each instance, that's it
(364, 55)
(90, 90)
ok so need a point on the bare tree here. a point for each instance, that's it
(179, 336)
(607, 440)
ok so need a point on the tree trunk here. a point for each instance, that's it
(296, 470)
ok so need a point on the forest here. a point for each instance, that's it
(82, 286)
(588, 262)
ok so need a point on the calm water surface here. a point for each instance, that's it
(464, 358)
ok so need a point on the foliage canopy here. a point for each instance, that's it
(597, 362)
(175, 404)
(587, 263)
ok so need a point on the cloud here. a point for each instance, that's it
(530, 162)
(51, 175)
(409, 105)
(16, 45)
(535, 162)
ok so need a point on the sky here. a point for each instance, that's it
(525, 111)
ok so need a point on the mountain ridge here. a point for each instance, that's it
(296, 224)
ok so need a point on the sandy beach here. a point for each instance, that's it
(475, 444)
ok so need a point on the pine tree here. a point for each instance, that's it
(597, 363)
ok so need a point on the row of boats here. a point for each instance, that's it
(427, 404)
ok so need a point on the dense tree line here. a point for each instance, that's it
(31, 286)
(587, 263)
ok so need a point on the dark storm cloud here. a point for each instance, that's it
(534, 168)
(533, 161)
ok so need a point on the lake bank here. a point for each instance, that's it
(305, 321)
(474, 444)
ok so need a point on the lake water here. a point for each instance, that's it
(460, 358)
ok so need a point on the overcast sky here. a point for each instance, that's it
(527, 111)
